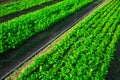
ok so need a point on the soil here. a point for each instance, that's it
(32, 9)
(14, 57)
(6, 1)
(114, 70)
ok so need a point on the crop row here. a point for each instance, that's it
(19, 5)
(16, 31)
(85, 53)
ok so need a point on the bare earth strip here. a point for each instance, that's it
(17, 14)
(6, 1)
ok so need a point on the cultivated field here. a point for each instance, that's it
(84, 52)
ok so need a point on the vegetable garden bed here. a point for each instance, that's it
(85, 53)
(57, 28)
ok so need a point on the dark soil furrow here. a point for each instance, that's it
(114, 70)
(6, 1)
(17, 14)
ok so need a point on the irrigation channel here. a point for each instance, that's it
(32, 9)
(35, 44)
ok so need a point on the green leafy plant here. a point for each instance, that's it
(85, 53)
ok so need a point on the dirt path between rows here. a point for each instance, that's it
(14, 57)
(17, 14)
(6, 1)
(114, 70)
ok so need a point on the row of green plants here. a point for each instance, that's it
(16, 31)
(83, 54)
(19, 5)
